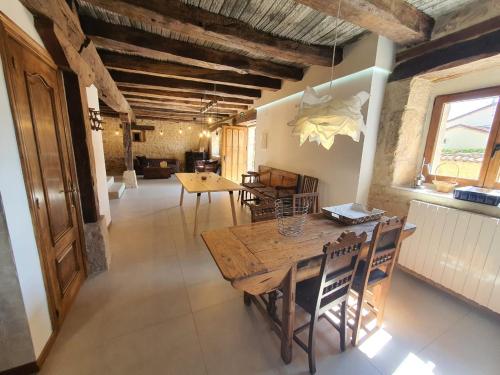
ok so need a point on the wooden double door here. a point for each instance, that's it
(234, 152)
(39, 108)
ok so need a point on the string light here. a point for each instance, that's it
(161, 132)
(117, 132)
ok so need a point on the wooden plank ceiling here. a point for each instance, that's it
(171, 58)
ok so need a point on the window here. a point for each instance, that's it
(138, 136)
(463, 142)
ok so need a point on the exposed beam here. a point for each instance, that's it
(179, 107)
(133, 41)
(214, 28)
(449, 56)
(189, 103)
(106, 111)
(137, 64)
(148, 81)
(63, 36)
(471, 32)
(155, 117)
(395, 19)
(238, 119)
(165, 94)
(141, 109)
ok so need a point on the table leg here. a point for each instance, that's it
(182, 196)
(288, 314)
(209, 197)
(231, 199)
(198, 195)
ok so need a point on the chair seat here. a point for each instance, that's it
(376, 276)
(306, 296)
(253, 185)
(274, 193)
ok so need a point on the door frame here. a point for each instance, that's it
(9, 29)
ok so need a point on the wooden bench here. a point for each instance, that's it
(268, 183)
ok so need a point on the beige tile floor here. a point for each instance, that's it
(163, 308)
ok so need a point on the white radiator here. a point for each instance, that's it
(456, 249)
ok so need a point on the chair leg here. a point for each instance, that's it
(357, 319)
(343, 325)
(246, 299)
(381, 302)
(271, 305)
(311, 352)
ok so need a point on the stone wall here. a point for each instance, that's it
(163, 142)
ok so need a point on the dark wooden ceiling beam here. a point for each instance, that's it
(154, 117)
(190, 103)
(449, 56)
(133, 41)
(214, 28)
(143, 109)
(172, 94)
(148, 81)
(61, 31)
(462, 35)
(139, 104)
(137, 64)
(395, 19)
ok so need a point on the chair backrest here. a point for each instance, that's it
(306, 198)
(338, 266)
(308, 184)
(384, 246)
(264, 211)
(277, 177)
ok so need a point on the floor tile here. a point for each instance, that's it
(164, 308)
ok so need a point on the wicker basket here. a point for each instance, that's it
(290, 217)
(445, 186)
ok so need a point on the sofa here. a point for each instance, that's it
(141, 162)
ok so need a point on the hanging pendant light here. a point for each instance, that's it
(321, 118)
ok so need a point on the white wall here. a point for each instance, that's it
(345, 170)
(16, 203)
(100, 164)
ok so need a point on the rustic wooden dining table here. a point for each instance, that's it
(256, 258)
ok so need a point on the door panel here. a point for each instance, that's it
(37, 99)
(67, 265)
(234, 152)
(47, 137)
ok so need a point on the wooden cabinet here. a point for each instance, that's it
(457, 250)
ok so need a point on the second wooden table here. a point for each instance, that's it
(206, 183)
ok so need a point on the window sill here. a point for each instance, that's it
(429, 194)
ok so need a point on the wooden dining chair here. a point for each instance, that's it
(330, 289)
(249, 180)
(309, 184)
(302, 199)
(263, 211)
(376, 272)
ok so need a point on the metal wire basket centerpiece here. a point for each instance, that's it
(291, 216)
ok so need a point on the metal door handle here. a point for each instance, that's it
(495, 149)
